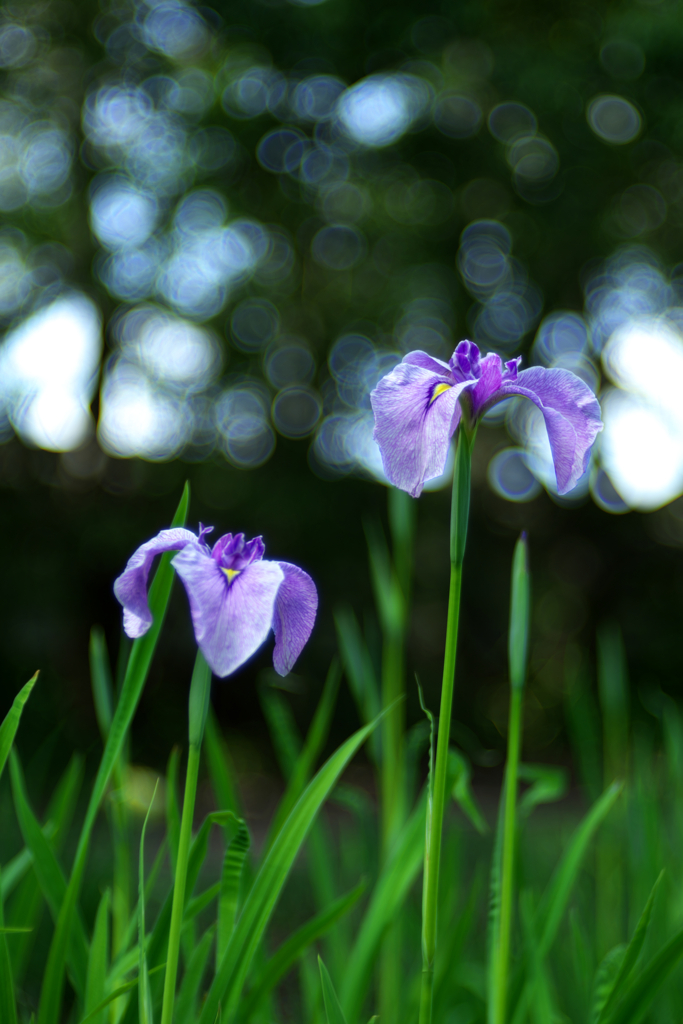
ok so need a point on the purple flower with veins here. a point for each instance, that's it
(418, 407)
(236, 598)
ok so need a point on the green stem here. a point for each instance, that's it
(200, 689)
(502, 953)
(435, 814)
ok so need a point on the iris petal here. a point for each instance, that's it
(231, 620)
(295, 607)
(572, 417)
(131, 586)
(413, 433)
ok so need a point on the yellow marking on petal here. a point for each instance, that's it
(231, 573)
(439, 390)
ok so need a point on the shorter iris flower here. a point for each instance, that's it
(236, 598)
(418, 407)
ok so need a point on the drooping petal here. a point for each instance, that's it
(572, 417)
(231, 619)
(295, 607)
(131, 586)
(416, 413)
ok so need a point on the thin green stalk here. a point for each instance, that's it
(518, 643)
(502, 951)
(200, 689)
(401, 509)
(435, 811)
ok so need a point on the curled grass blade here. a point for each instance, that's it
(265, 891)
(137, 668)
(231, 877)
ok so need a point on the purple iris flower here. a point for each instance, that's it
(419, 404)
(236, 598)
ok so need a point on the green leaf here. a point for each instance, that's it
(200, 846)
(186, 1001)
(113, 995)
(315, 741)
(360, 672)
(389, 598)
(98, 959)
(294, 947)
(333, 1010)
(520, 603)
(554, 902)
(8, 729)
(639, 996)
(282, 727)
(49, 875)
(100, 677)
(220, 766)
(460, 772)
(605, 978)
(633, 951)
(548, 783)
(144, 995)
(231, 877)
(396, 878)
(173, 807)
(137, 668)
(227, 985)
(8, 1005)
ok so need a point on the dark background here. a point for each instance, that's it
(65, 539)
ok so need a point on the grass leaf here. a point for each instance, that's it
(231, 877)
(8, 1005)
(333, 1010)
(98, 959)
(137, 668)
(144, 994)
(639, 996)
(8, 729)
(186, 1000)
(263, 895)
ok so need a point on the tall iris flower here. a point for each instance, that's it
(419, 405)
(236, 598)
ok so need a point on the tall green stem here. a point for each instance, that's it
(517, 652)
(200, 689)
(435, 812)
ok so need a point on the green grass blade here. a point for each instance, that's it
(554, 902)
(227, 985)
(113, 995)
(639, 996)
(548, 784)
(49, 875)
(583, 723)
(186, 1002)
(398, 874)
(359, 669)
(199, 903)
(315, 741)
(100, 677)
(8, 1005)
(333, 1010)
(231, 877)
(200, 846)
(8, 729)
(293, 948)
(137, 668)
(283, 730)
(173, 807)
(605, 978)
(146, 1015)
(98, 959)
(633, 951)
(461, 790)
(221, 769)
